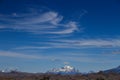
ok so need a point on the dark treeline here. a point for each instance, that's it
(39, 76)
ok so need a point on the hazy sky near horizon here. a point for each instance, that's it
(37, 35)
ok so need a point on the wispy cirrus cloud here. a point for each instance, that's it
(50, 57)
(79, 57)
(76, 44)
(49, 22)
(92, 42)
(116, 52)
(70, 28)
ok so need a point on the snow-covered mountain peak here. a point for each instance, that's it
(66, 69)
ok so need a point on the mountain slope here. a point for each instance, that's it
(114, 70)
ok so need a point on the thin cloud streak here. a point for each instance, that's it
(32, 47)
(18, 55)
(27, 56)
(56, 57)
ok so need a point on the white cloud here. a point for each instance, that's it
(70, 28)
(56, 21)
(40, 18)
(41, 23)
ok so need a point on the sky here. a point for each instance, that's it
(38, 35)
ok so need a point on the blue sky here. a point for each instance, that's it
(37, 35)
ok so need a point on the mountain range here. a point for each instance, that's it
(71, 70)
(68, 70)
